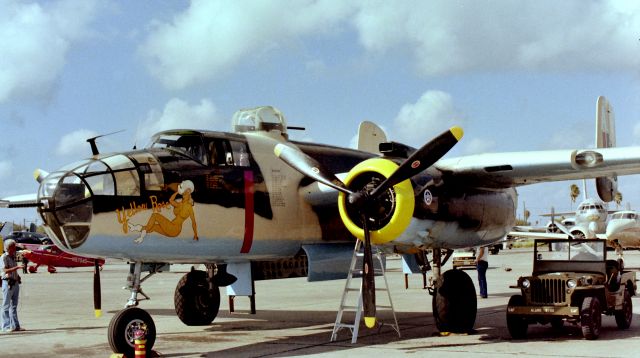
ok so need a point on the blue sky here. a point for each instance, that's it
(515, 75)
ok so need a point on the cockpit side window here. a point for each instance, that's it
(240, 154)
(216, 153)
(190, 145)
(222, 152)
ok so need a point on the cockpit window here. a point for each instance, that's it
(189, 145)
(118, 162)
(623, 216)
(240, 154)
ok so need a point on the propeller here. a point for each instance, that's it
(559, 225)
(97, 299)
(365, 201)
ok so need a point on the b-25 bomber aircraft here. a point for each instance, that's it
(240, 202)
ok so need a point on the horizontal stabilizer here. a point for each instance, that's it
(20, 201)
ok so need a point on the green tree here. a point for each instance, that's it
(618, 199)
(574, 192)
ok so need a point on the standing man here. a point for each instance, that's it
(482, 263)
(10, 287)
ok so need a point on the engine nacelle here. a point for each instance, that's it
(396, 205)
(607, 188)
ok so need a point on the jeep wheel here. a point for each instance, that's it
(517, 324)
(591, 317)
(623, 316)
(454, 303)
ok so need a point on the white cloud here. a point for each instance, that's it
(6, 169)
(75, 142)
(210, 38)
(178, 114)
(447, 37)
(34, 42)
(479, 146)
(417, 123)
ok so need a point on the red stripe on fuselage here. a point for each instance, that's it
(248, 212)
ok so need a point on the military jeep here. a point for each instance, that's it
(572, 281)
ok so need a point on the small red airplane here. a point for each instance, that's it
(53, 257)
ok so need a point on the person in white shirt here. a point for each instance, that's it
(10, 287)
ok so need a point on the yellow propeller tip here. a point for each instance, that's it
(457, 132)
(370, 322)
(98, 313)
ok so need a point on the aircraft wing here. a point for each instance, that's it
(502, 170)
(538, 235)
(19, 201)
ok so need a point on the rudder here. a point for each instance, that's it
(605, 138)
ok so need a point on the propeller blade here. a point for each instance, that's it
(559, 225)
(97, 299)
(309, 167)
(421, 159)
(368, 279)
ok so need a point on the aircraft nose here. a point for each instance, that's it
(66, 208)
(69, 197)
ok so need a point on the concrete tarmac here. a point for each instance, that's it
(295, 318)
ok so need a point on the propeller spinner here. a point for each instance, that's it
(366, 200)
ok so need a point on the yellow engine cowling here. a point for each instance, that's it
(402, 210)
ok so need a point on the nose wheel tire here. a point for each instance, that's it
(123, 326)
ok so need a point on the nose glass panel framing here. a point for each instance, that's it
(67, 194)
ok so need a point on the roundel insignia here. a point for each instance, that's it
(415, 164)
(315, 170)
(427, 197)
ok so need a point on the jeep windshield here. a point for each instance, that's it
(570, 250)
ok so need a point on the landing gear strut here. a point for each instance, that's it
(134, 281)
(454, 297)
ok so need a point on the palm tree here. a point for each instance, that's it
(618, 199)
(574, 192)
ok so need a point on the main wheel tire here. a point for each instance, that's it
(517, 324)
(123, 326)
(454, 303)
(195, 304)
(591, 318)
(624, 316)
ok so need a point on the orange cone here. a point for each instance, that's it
(140, 343)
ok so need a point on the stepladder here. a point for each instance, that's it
(351, 301)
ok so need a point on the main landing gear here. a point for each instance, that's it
(196, 298)
(454, 297)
